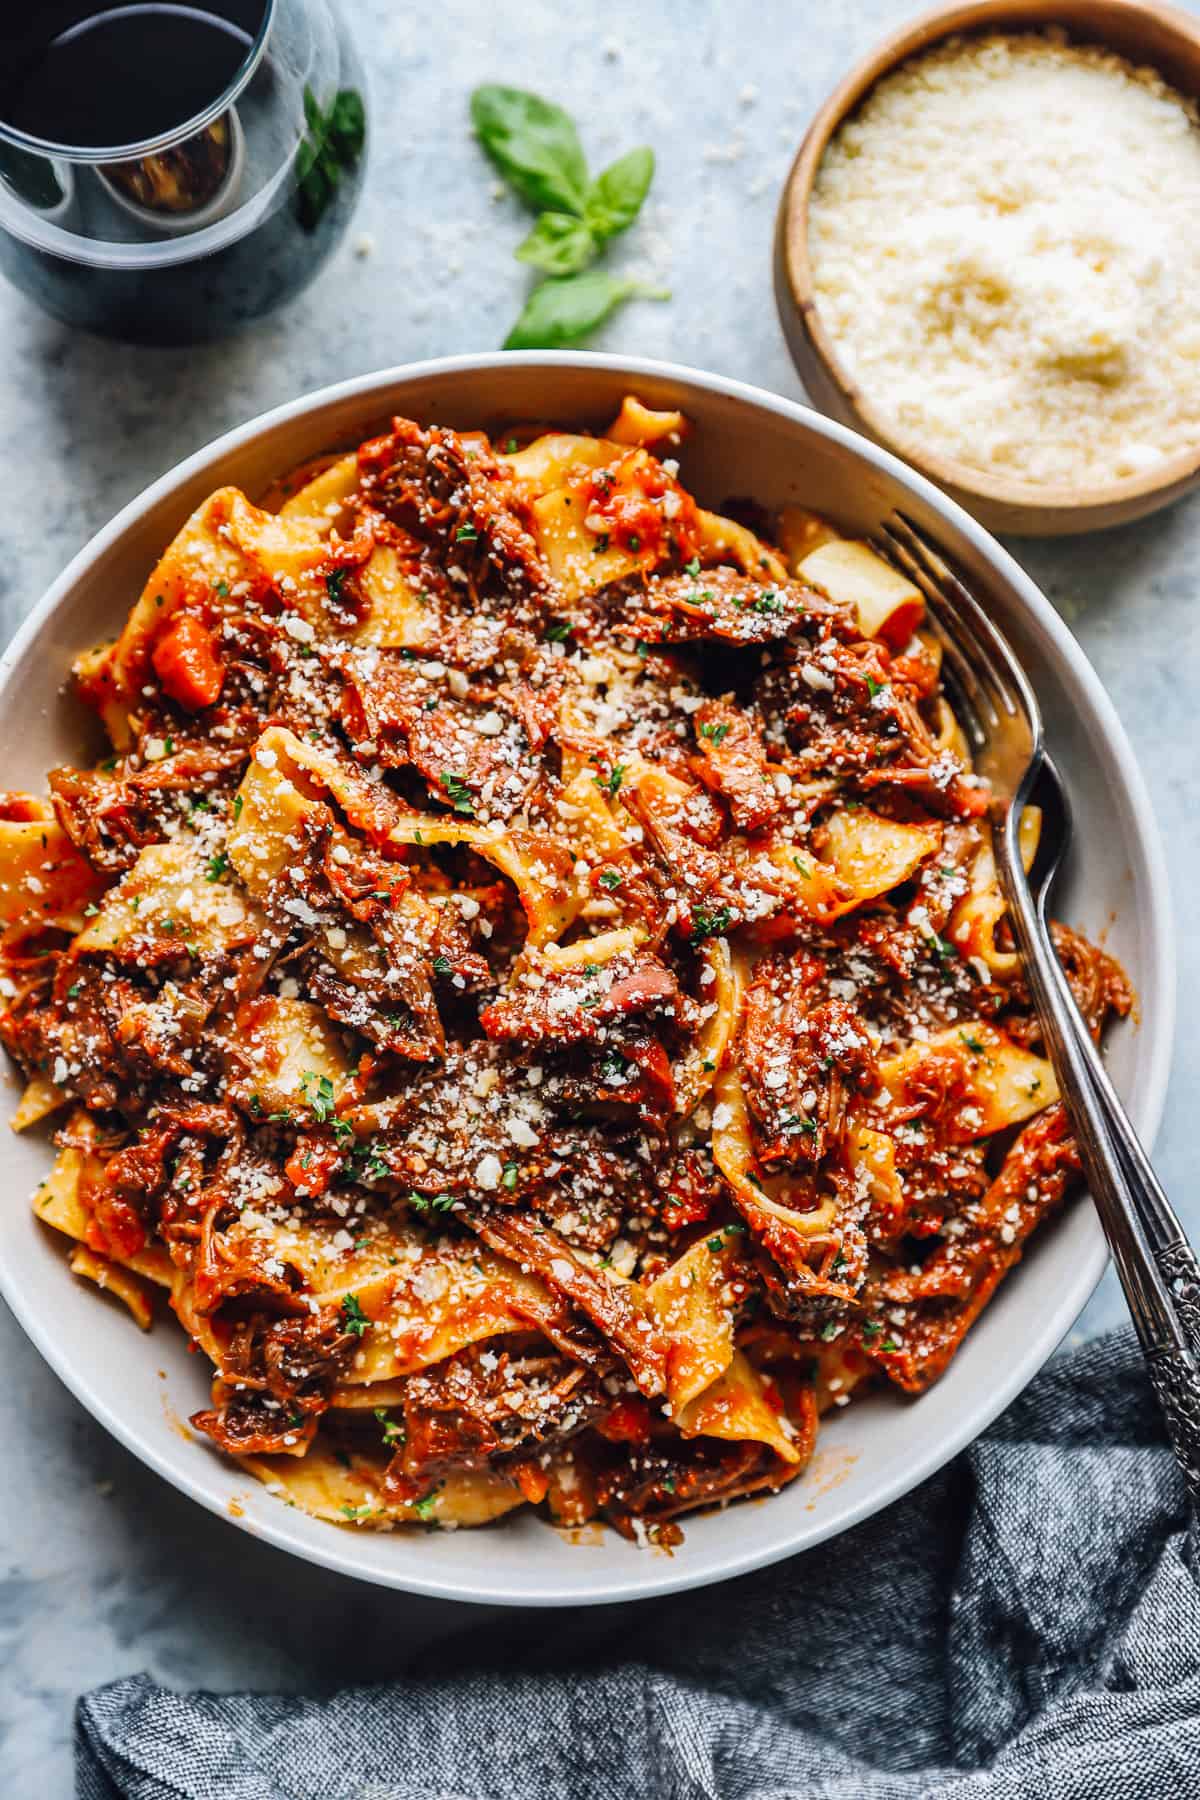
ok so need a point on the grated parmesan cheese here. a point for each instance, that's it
(1006, 255)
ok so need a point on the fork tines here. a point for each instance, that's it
(991, 682)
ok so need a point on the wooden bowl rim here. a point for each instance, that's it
(918, 35)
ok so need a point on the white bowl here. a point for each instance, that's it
(745, 442)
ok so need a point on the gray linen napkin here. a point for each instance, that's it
(1025, 1626)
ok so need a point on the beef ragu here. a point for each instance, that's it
(529, 982)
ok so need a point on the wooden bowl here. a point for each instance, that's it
(1168, 41)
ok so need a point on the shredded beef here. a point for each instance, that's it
(723, 603)
(581, 1002)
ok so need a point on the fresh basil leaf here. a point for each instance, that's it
(348, 125)
(335, 142)
(563, 311)
(314, 117)
(535, 146)
(615, 198)
(306, 156)
(559, 243)
(314, 193)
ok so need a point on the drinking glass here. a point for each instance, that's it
(140, 225)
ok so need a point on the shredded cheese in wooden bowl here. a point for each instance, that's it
(1005, 244)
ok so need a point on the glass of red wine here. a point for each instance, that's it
(170, 169)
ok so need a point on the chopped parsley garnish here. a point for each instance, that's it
(611, 784)
(874, 687)
(972, 1042)
(510, 1175)
(217, 866)
(393, 1433)
(222, 588)
(334, 582)
(238, 803)
(318, 1091)
(466, 534)
(441, 965)
(715, 734)
(559, 632)
(431, 1202)
(613, 1066)
(424, 1506)
(872, 1328)
(692, 568)
(829, 1331)
(610, 879)
(889, 1343)
(371, 1164)
(356, 1512)
(710, 924)
(354, 1319)
(457, 792)
(75, 989)
(768, 602)
(90, 910)
(510, 446)
(804, 868)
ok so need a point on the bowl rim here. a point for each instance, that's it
(333, 1548)
(1063, 501)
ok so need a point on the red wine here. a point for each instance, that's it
(213, 226)
(101, 76)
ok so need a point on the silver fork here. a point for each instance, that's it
(1158, 1267)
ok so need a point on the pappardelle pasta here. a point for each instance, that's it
(530, 983)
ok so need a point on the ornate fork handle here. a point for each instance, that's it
(1176, 1261)
(1181, 1271)
(1157, 1267)
(1173, 1374)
